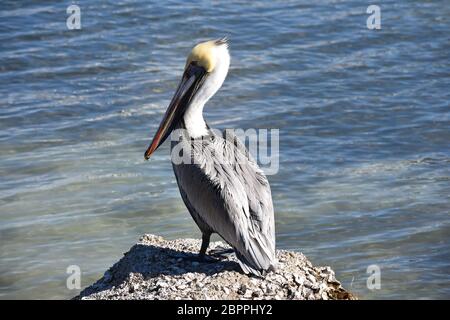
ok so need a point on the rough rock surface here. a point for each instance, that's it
(155, 268)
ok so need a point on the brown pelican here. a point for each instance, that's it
(227, 194)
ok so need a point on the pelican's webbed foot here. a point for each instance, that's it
(221, 252)
(207, 259)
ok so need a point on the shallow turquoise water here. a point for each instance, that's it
(364, 122)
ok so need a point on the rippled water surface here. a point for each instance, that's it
(364, 122)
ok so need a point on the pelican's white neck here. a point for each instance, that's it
(193, 117)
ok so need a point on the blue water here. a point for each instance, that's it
(364, 119)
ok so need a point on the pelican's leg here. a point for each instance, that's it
(205, 243)
(220, 252)
(202, 257)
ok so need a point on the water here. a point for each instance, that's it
(364, 122)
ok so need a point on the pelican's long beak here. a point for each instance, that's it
(193, 78)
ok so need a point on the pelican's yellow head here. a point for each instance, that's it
(206, 54)
(205, 71)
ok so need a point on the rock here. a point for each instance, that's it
(155, 268)
(248, 294)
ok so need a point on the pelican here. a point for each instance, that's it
(228, 195)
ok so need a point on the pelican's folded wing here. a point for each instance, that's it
(231, 194)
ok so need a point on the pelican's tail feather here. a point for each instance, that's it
(251, 268)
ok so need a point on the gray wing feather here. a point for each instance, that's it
(232, 196)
